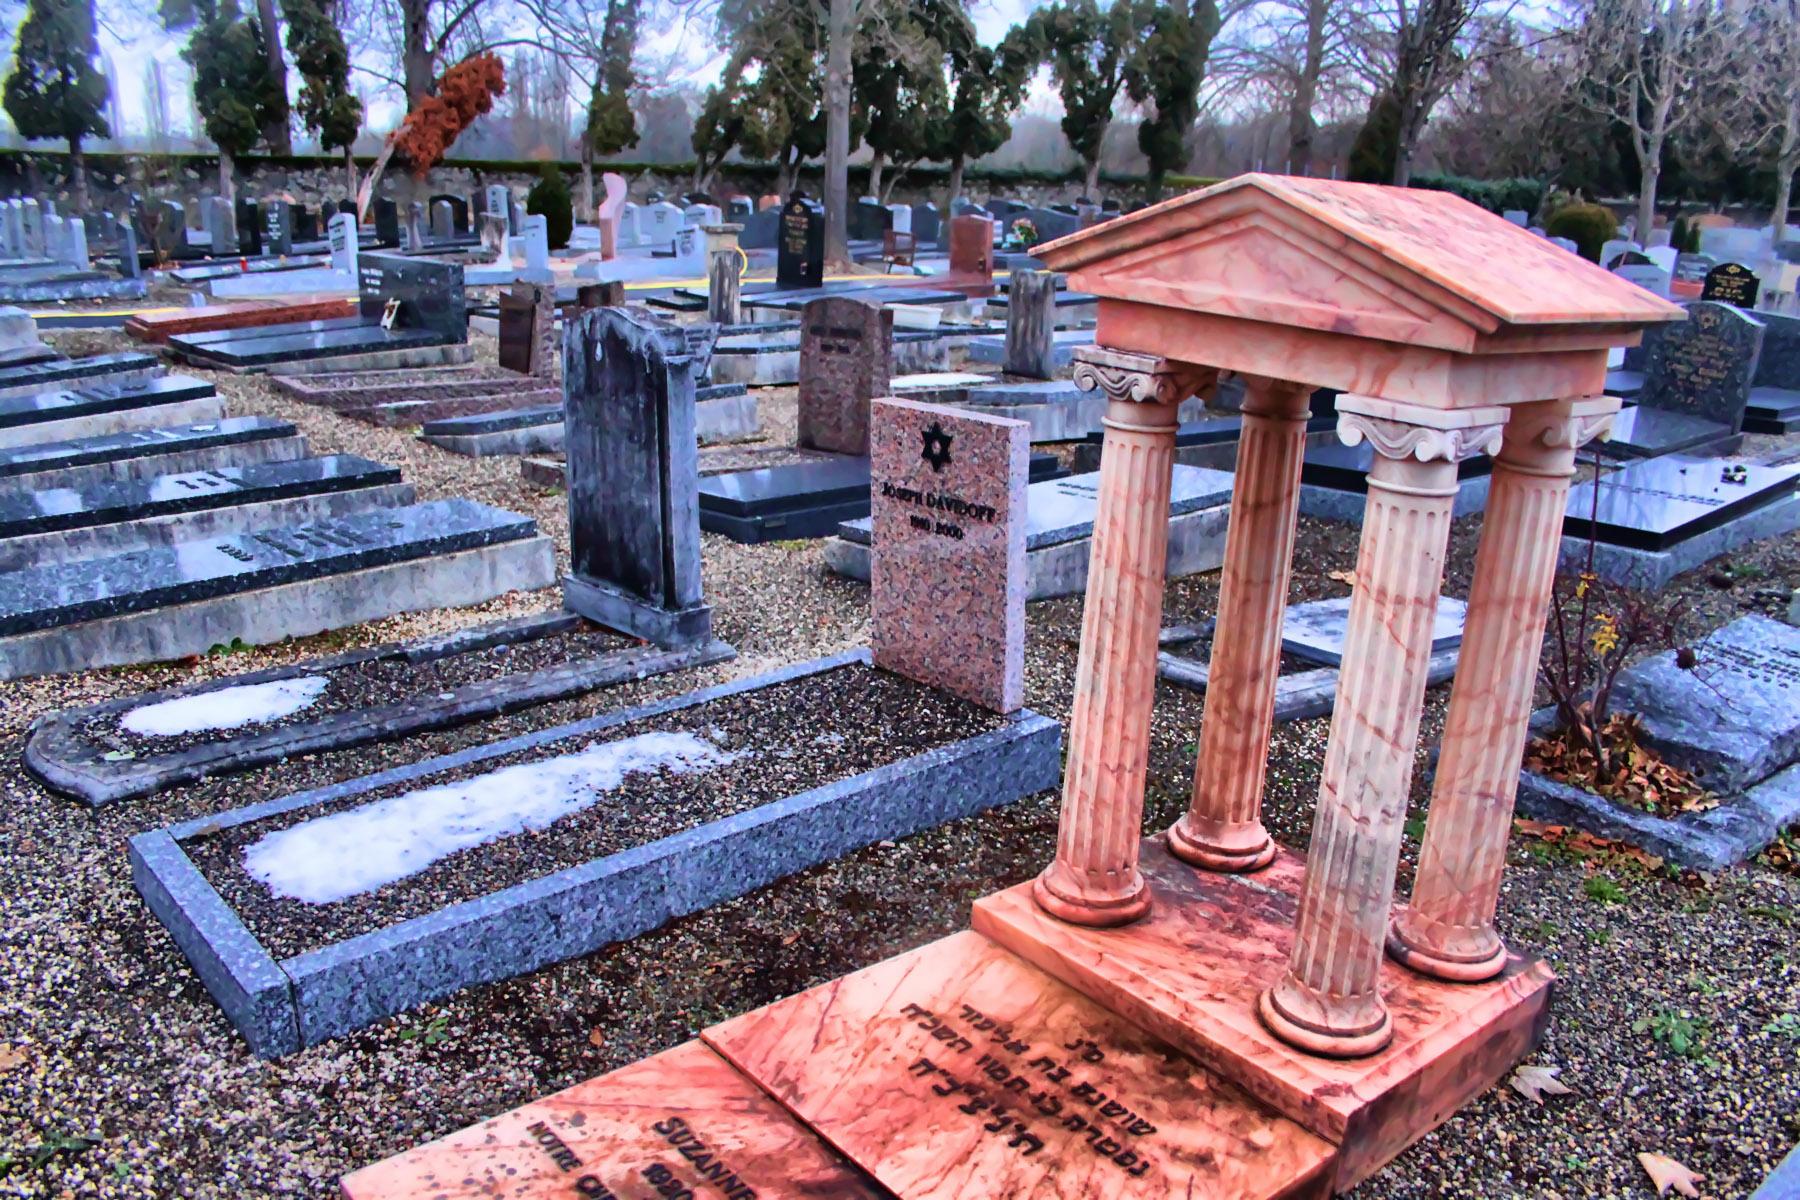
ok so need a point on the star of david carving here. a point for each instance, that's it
(937, 446)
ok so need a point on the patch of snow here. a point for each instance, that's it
(226, 708)
(348, 853)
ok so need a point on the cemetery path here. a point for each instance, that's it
(120, 1078)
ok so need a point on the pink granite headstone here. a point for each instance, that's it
(616, 195)
(846, 360)
(947, 549)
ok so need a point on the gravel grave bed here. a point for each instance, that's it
(107, 1034)
(373, 683)
(777, 741)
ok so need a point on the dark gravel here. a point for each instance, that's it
(786, 740)
(105, 1033)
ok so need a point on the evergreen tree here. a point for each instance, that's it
(1165, 78)
(327, 107)
(611, 126)
(1377, 143)
(54, 90)
(1090, 52)
(990, 86)
(233, 89)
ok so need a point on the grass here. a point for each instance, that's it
(1603, 890)
(1679, 1030)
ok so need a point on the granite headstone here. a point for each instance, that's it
(1703, 365)
(800, 254)
(1731, 283)
(846, 360)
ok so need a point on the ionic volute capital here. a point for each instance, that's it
(1124, 377)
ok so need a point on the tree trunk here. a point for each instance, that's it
(839, 30)
(278, 134)
(350, 176)
(365, 195)
(1646, 213)
(227, 179)
(1301, 126)
(1092, 187)
(1785, 164)
(953, 193)
(416, 52)
(78, 182)
(587, 179)
(786, 166)
(877, 165)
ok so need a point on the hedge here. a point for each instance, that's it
(1495, 195)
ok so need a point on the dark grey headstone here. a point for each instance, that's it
(1779, 364)
(305, 223)
(927, 225)
(1031, 324)
(761, 230)
(430, 293)
(249, 228)
(633, 468)
(387, 222)
(1703, 365)
(800, 256)
(869, 219)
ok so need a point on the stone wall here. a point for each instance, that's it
(192, 179)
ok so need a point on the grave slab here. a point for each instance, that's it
(909, 1068)
(1772, 410)
(446, 354)
(1059, 527)
(75, 751)
(126, 514)
(1173, 976)
(30, 378)
(280, 1005)
(297, 347)
(1640, 432)
(1334, 482)
(1299, 696)
(1063, 342)
(1661, 503)
(145, 452)
(62, 416)
(1315, 631)
(1651, 570)
(680, 1119)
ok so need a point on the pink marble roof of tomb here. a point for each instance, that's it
(1404, 292)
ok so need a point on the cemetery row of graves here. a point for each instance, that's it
(1064, 716)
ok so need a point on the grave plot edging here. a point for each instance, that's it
(348, 985)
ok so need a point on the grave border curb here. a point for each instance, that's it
(349, 985)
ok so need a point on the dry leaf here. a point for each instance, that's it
(790, 939)
(12, 1057)
(1534, 1083)
(1347, 578)
(1666, 1173)
(596, 1039)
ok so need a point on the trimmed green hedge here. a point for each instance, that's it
(1589, 226)
(1495, 195)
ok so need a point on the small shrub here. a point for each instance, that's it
(1599, 887)
(1679, 1031)
(549, 196)
(1589, 226)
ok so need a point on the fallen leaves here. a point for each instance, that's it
(1666, 1173)
(1586, 845)
(1534, 1083)
(12, 1057)
(597, 1039)
(1637, 777)
(1347, 578)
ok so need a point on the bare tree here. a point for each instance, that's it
(1648, 65)
(1772, 74)
(1297, 56)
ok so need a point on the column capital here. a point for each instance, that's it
(1123, 376)
(1399, 430)
(1569, 424)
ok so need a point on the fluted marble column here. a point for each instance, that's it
(1095, 879)
(1222, 829)
(1448, 930)
(1328, 1002)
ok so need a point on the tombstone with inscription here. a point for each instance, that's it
(846, 359)
(341, 236)
(634, 525)
(800, 253)
(1644, 272)
(947, 549)
(660, 222)
(1703, 366)
(1731, 283)
(278, 231)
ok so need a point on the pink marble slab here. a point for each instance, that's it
(960, 1072)
(1430, 246)
(947, 549)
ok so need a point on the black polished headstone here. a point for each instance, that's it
(1732, 283)
(1703, 365)
(138, 443)
(387, 222)
(67, 593)
(357, 337)
(37, 407)
(1658, 503)
(869, 219)
(1778, 366)
(68, 371)
(278, 227)
(800, 254)
(104, 503)
(249, 228)
(430, 293)
(305, 223)
(633, 470)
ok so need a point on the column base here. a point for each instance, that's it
(1302, 1035)
(1407, 949)
(1239, 850)
(1093, 911)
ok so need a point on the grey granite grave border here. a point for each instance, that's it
(1651, 570)
(280, 1007)
(168, 459)
(451, 354)
(1712, 840)
(196, 411)
(1300, 696)
(286, 610)
(103, 782)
